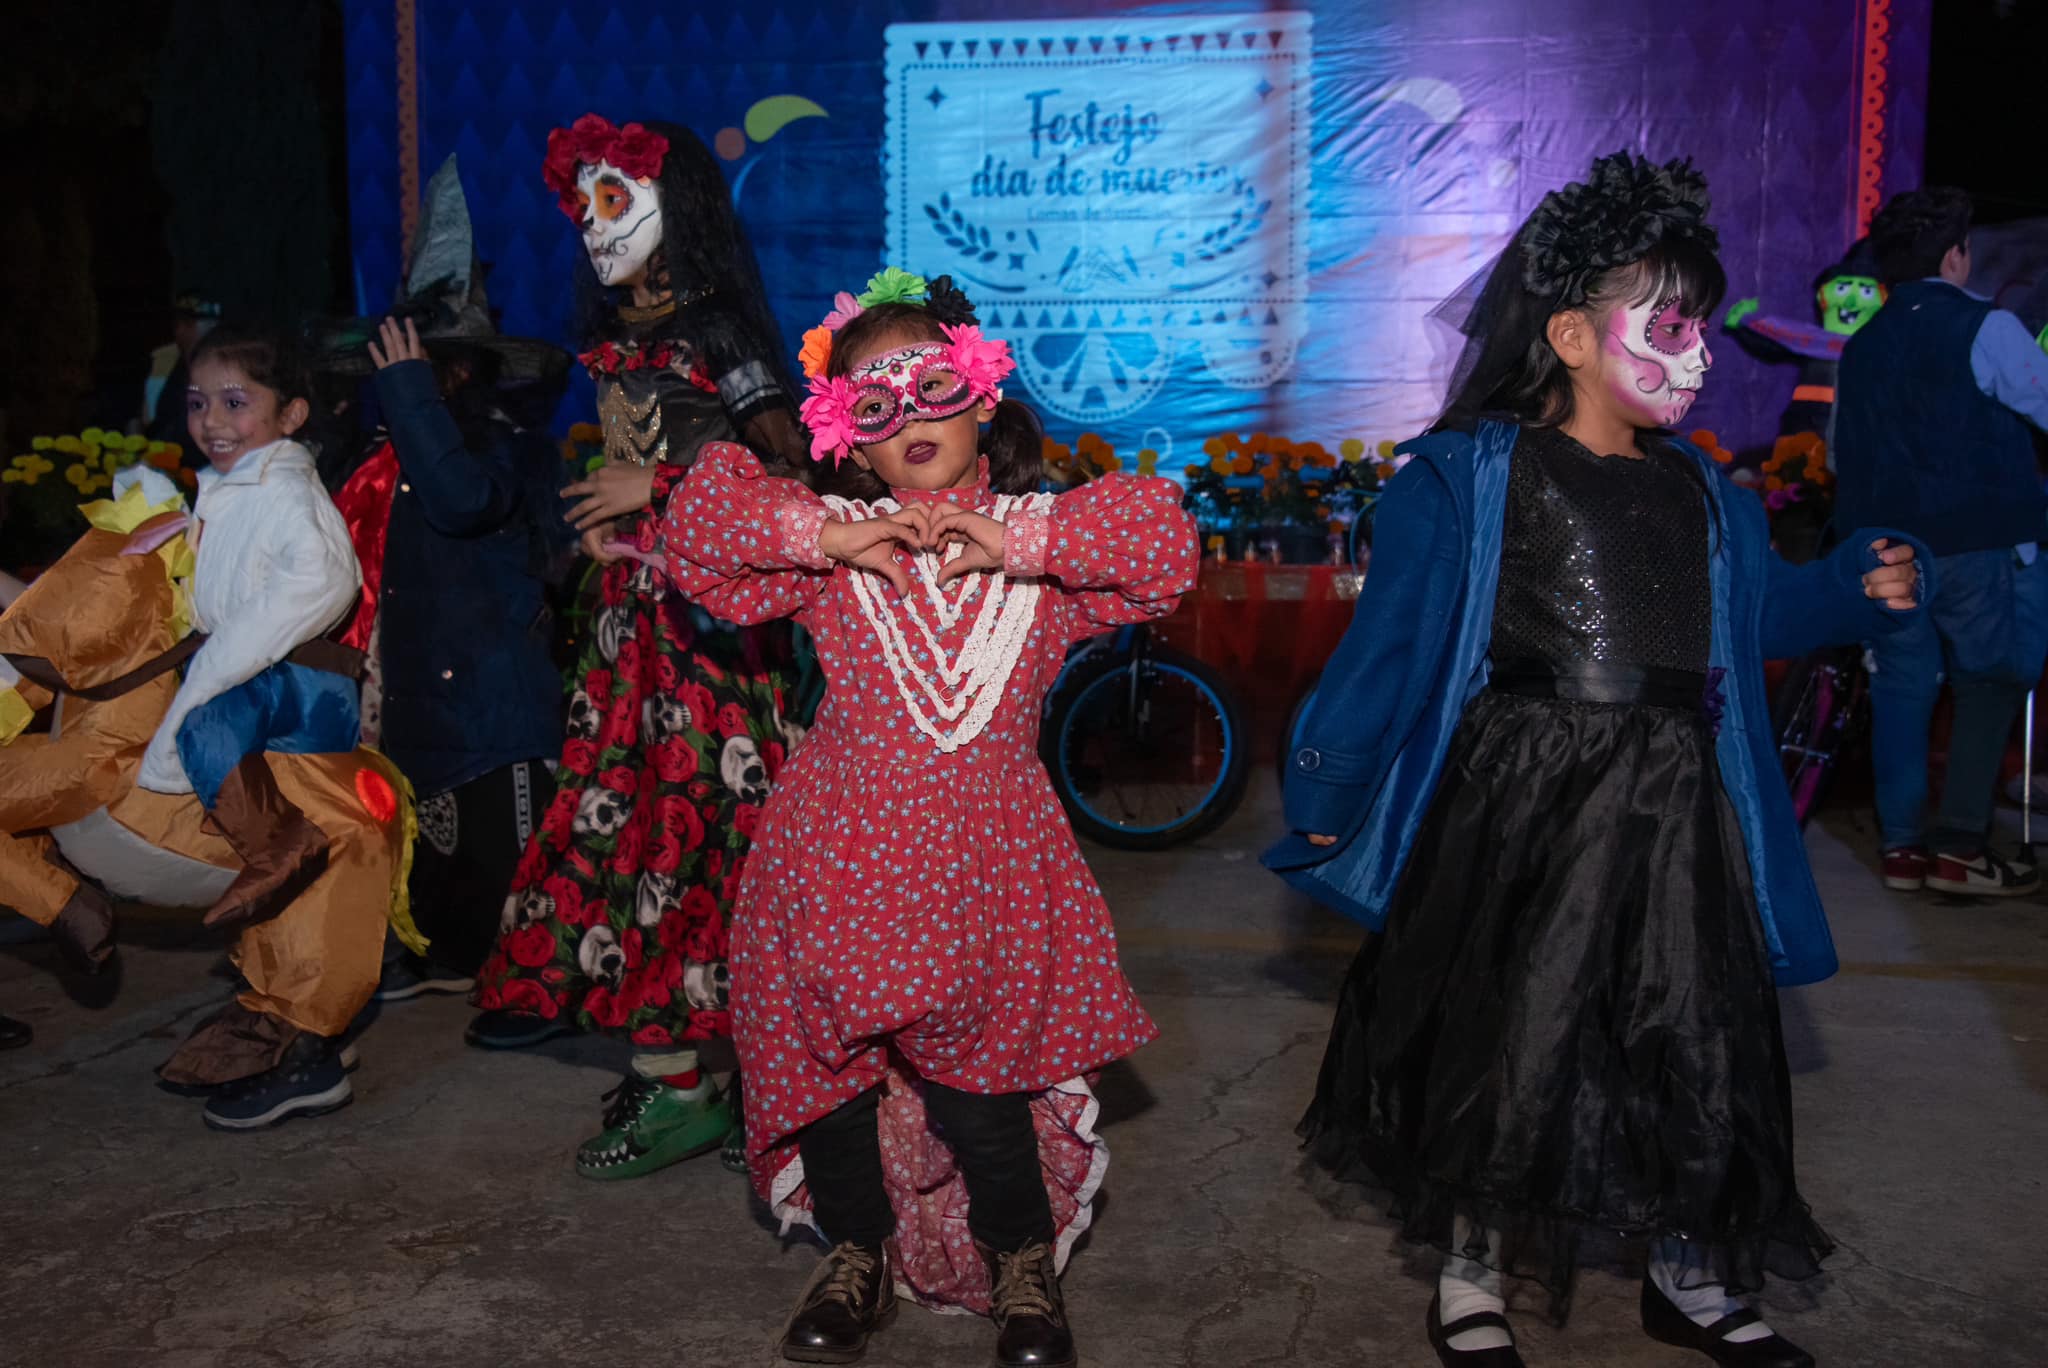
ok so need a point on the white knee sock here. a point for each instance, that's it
(1675, 1262)
(1467, 1287)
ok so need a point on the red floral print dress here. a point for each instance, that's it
(617, 913)
(916, 905)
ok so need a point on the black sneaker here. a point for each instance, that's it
(499, 1029)
(309, 1081)
(409, 976)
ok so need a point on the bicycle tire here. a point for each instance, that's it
(1082, 703)
(1359, 535)
(1817, 713)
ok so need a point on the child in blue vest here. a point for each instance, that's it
(1933, 436)
(1541, 769)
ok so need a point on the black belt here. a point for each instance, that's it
(1597, 682)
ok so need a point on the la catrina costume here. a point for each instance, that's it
(1544, 753)
(616, 917)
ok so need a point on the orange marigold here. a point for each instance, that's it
(816, 354)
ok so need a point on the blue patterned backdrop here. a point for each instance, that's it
(1430, 128)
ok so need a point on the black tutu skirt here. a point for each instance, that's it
(1568, 1030)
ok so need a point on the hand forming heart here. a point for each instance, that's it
(981, 538)
(871, 543)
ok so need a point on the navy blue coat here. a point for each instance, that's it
(1373, 745)
(463, 624)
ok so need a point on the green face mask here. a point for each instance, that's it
(1848, 302)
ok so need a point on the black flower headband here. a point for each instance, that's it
(1626, 207)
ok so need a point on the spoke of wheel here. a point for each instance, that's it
(1155, 768)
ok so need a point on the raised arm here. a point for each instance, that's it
(1121, 547)
(464, 492)
(741, 542)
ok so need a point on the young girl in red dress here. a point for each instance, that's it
(924, 973)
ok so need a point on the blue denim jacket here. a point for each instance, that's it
(1373, 746)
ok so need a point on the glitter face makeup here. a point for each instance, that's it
(905, 386)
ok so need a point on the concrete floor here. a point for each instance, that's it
(437, 1220)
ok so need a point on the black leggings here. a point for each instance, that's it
(991, 1139)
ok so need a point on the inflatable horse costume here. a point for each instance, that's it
(95, 641)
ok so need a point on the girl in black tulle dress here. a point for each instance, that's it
(1535, 759)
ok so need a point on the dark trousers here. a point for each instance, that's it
(1987, 628)
(471, 838)
(991, 1139)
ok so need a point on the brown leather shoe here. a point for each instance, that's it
(1025, 1304)
(849, 1298)
(281, 850)
(84, 930)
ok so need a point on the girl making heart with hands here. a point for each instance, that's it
(922, 964)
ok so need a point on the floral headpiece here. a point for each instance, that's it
(919, 382)
(636, 150)
(1625, 207)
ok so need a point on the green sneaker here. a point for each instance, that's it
(650, 1125)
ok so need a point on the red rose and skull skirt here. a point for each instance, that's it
(617, 914)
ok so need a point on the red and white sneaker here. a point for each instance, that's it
(1982, 875)
(1905, 868)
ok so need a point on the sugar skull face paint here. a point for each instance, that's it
(1848, 302)
(1655, 359)
(621, 221)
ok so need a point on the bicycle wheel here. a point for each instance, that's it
(1146, 760)
(1358, 541)
(1819, 706)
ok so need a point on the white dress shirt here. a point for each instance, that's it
(275, 569)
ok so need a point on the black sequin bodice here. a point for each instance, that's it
(1602, 559)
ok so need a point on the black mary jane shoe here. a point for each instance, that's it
(1440, 1339)
(850, 1297)
(1664, 1322)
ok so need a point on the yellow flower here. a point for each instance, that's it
(70, 446)
(1148, 461)
(42, 443)
(1386, 450)
(1222, 465)
(77, 475)
(137, 442)
(1214, 446)
(1353, 450)
(93, 436)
